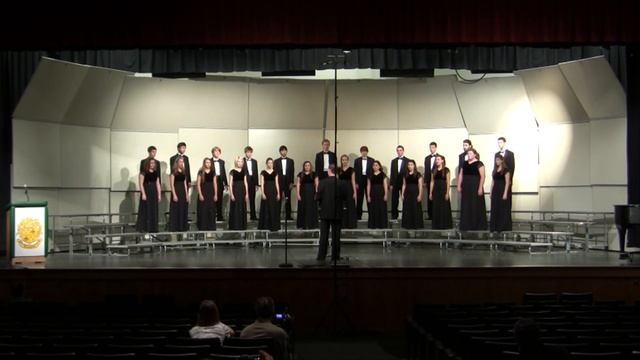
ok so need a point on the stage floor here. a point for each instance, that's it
(357, 256)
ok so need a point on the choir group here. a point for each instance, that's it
(364, 182)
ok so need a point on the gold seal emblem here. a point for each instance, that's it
(29, 233)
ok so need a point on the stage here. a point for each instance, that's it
(357, 256)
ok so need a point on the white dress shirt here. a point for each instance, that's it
(364, 166)
(249, 166)
(284, 166)
(325, 158)
(216, 166)
(433, 161)
(400, 164)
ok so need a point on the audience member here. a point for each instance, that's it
(208, 325)
(531, 347)
(264, 328)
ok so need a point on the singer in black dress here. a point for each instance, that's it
(439, 195)
(307, 185)
(179, 206)
(500, 197)
(473, 211)
(270, 199)
(149, 183)
(348, 176)
(207, 187)
(239, 196)
(377, 194)
(412, 216)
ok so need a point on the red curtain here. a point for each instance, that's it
(345, 23)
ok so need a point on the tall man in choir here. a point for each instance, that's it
(324, 158)
(285, 168)
(463, 157)
(151, 154)
(509, 159)
(218, 167)
(363, 169)
(250, 168)
(182, 148)
(429, 165)
(332, 196)
(397, 172)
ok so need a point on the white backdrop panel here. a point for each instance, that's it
(604, 197)
(596, 87)
(416, 145)
(96, 99)
(428, 104)
(139, 107)
(608, 151)
(50, 91)
(552, 99)
(83, 201)
(128, 148)
(495, 105)
(201, 141)
(206, 104)
(85, 154)
(286, 104)
(524, 202)
(566, 198)
(366, 105)
(36, 153)
(564, 154)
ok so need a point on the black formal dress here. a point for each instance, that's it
(252, 182)
(396, 177)
(441, 207)
(378, 217)
(237, 208)
(158, 169)
(285, 180)
(363, 169)
(429, 165)
(473, 211)
(500, 209)
(147, 221)
(350, 216)
(207, 208)
(269, 207)
(222, 182)
(412, 217)
(330, 215)
(319, 163)
(187, 168)
(307, 206)
(179, 210)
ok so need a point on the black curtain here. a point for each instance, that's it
(17, 67)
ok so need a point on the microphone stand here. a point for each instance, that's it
(26, 192)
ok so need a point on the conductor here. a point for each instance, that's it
(332, 196)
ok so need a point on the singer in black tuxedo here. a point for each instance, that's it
(363, 172)
(187, 169)
(429, 165)
(319, 163)
(252, 181)
(285, 179)
(332, 196)
(396, 179)
(222, 184)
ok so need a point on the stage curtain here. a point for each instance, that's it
(357, 23)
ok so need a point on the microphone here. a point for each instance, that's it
(26, 192)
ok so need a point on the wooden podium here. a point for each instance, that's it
(27, 233)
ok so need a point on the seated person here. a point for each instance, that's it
(264, 328)
(208, 325)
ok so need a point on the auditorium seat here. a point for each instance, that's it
(531, 298)
(50, 355)
(182, 349)
(183, 356)
(595, 356)
(110, 356)
(576, 298)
